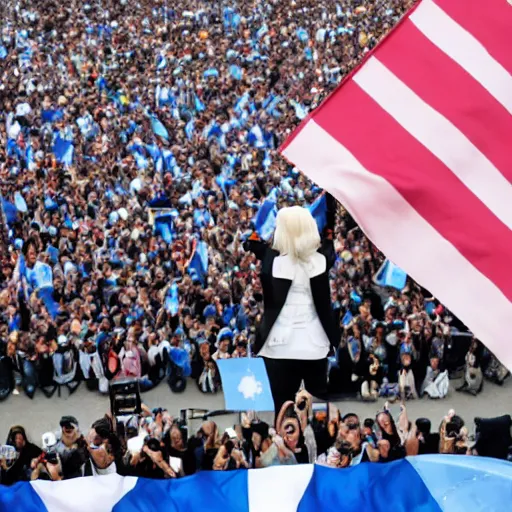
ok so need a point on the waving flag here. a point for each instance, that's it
(158, 128)
(265, 219)
(319, 211)
(63, 150)
(424, 166)
(164, 226)
(172, 302)
(430, 483)
(390, 275)
(198, 267)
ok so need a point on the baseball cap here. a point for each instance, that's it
(67, 421)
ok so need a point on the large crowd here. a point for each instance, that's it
(154, 445)
(138, 142)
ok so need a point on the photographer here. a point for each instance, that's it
(71, 448)
(104, 448)
(47, 467)
(150, 462)
(229, 455)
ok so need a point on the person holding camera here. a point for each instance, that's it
(47, 467)
(151, 461)
(71, 448)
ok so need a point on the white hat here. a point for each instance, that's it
(49, 440)
(62, 340)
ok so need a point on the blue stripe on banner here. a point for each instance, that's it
(20, 497)
(463, 484)
(212, 491)
(394, 486)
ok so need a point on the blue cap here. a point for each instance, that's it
(209, 311)
(224, 334)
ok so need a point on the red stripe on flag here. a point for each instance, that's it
(385, 148)
(453, 92)
(490, 22)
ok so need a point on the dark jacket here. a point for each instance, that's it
(275, 290)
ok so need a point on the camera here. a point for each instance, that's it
(49, 458)
(125, 397)
(152, 444)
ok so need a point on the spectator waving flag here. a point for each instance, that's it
(432, 483)
(426, 154)
(265, 220)
(319, 211)
(198, 267)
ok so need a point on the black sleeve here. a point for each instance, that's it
(327, 244)
(257, 247)
(331, 211)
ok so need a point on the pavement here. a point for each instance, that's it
(41, 414)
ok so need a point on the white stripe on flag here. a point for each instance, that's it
(278, 487)
(98, 494)
(439, 136)
(464, 49)
(396, 227)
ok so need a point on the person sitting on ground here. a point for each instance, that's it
(436, 383)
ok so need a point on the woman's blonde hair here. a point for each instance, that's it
(296, 233)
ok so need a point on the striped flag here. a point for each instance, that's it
(417, 145)
(428, 483)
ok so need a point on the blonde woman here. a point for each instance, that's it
(298, 327)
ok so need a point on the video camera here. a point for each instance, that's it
(125, 403)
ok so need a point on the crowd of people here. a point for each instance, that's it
(138, 148)
(153, 445)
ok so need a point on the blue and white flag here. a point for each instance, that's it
(347, 318)
(427, 483)
(211, 73)
(198, 104)
(256, 137)
(390, 275)
(172, 302)
(50, 116)
(42, 281)
(265, 219)
(10, 211)
(319, 211)
(161, 61)
(189, 129)
(63, 150)
(164, 226)
(262, 31)
(302, 34)
(245, 384)
(158, 128)
(198, 266)
(20, 203)
(236, 72)
(300, 111)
